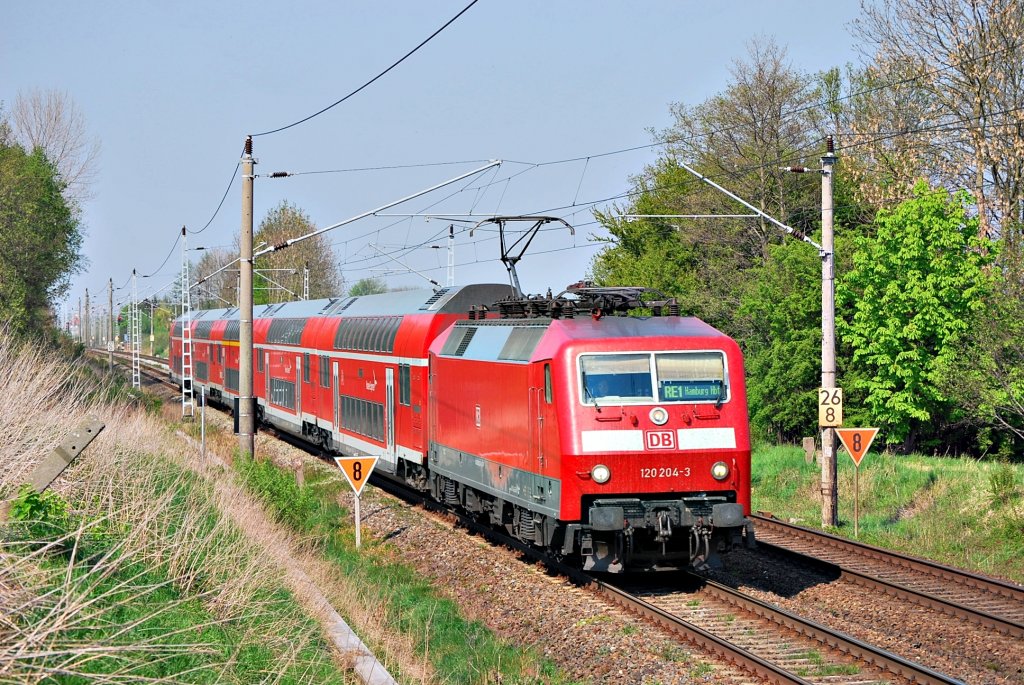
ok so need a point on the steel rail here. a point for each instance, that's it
(977, 616)
(959, 576)
(915, 673)
(725, 650)
(722, 648)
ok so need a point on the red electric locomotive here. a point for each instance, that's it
(619, 440)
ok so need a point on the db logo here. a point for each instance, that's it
(660, 440)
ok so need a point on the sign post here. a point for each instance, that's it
(857, 442)
(357, 471)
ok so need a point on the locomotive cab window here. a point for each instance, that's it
(616, 377)
(691, 377)
(698, 376)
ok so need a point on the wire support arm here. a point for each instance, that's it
(788, 229)
(292, 241)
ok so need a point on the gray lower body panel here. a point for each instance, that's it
(524, 488)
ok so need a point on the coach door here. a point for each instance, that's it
(266, 377)
(335, 394)
(298, 385)
(390, 456)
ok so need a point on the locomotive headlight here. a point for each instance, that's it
(659, 416)
(720, 470)
(600, 473)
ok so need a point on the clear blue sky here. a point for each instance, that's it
(172, 89)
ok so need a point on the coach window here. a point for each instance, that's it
(325, 371)
(259, 359)
(305, 367)
(547, 383)
(375, 336)
(404, 388)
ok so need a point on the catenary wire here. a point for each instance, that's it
(375, 78)
(231, 182)
(879, 87)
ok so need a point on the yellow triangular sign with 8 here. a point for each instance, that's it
(857, 441)
(357, 470)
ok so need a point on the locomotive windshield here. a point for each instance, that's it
(633, 377)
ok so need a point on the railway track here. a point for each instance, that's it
(768, 642)
(734, 626)
(987, 602)
(759, 638)
(763, 640)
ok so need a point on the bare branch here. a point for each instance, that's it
(51, 121)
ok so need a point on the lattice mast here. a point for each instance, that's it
(135, 333)
(188, 400)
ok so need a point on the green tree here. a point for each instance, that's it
(988, 377)
(781, 313)
(40, 236)
(738, 137)
(368, 286)
(913, 288)
(283, 269)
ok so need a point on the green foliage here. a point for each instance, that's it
(934, 507)
(781, 316)
(141, 622)
(737, 138)
(304, 509)
(40, 234)
(46, 506)
(368, 286)
(987, 377)
(1002, 483)
(913, 289)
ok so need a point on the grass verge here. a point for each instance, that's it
(962, 512)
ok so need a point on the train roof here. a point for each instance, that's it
(519, 339)
(637, 327)
(443, 300)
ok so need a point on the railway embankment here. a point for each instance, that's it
(957, 511)
(433, 603)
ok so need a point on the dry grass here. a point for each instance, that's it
(148, 576)
(42, 397)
